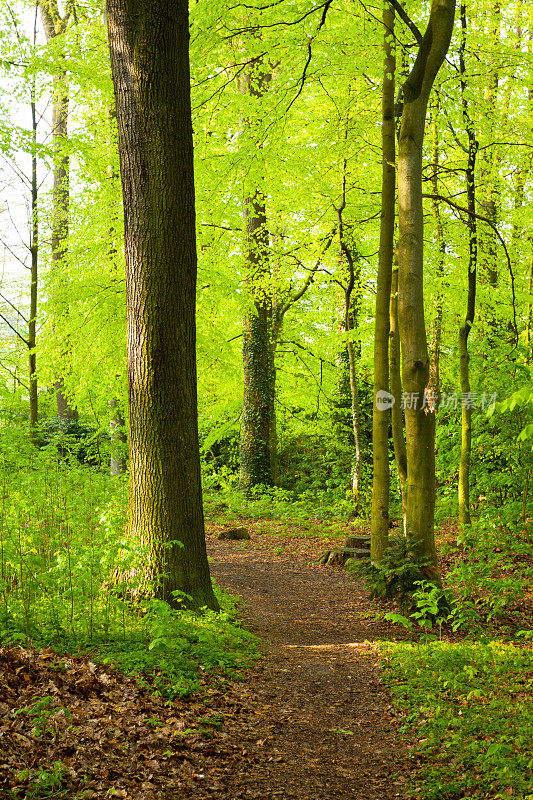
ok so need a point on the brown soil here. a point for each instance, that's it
(326, 729)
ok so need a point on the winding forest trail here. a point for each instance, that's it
(326, 729)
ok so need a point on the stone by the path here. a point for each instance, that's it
(235, 534)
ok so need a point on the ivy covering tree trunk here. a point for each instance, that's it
(149, 44)
(419, 417)
(380, 409)
(258, 422)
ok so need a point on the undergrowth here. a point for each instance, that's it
(223, 498)
(62, 544)
(468, 713)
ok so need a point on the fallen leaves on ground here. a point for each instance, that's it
(110, 736)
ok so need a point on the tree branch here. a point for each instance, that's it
(489, 222)
(400, 10)
(14, 376)
(15, 331)
(326, 7)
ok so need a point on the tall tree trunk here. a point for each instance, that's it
(351, 316)
(529, 303)
(464, 332)
(258, 426)
(118, 439)
(419, 419)
(382, 400)
(258, 354)
(149, 45)
(55, 25)
(489, 199)
(436, 325)
(117, 430)
(398, 438)
(34, 248)
(356, 422)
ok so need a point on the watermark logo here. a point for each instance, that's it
(384, 400)
(449, 402)
(431, 404)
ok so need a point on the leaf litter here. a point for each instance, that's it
(311, 721)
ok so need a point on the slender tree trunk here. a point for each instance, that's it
(55, 25)
(489, 196)
(398, 438)
(381, 405)
(529, 304)
(118, 439)
(149, 44)
(419, 418)
(464, 332)
(117, 425)
(436, 327)
(356, 423)
(351, 316)
(32, 322)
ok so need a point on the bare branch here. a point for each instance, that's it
(15, 331)
(15, 309)
(326, 7)
(494, 227)
(15, 376)
(400, 10)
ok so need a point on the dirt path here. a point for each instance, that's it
(326, 729)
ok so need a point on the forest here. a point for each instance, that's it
(266, 335)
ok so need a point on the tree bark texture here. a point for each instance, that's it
(380, 410)
(149, 45)
(419, 418)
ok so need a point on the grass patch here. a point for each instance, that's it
(468, 712)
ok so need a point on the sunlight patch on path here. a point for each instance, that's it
(335, 646)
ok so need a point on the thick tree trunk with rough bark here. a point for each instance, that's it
(381, 405)
(419, 419)
(149, 44)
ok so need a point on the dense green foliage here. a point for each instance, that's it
(69, 572)
(311, 146)
(456, 710)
